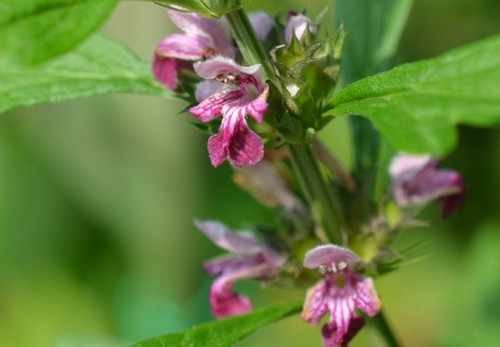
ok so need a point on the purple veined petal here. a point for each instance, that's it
(332, 337)
(404, 166)
(212, 107)
(254, 107)
(329, 254)
(246, 147)
(262, 23)
(217, 151)
(183, 46)
(366, 298)
(297, 24)
(204, 89)
(195, 24)
(315, 304)
(222, 236)
(355, 326)
(219, 65)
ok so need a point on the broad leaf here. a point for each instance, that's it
(207, 8)
(32, 31)
(417, 105)
(99, 66)
(225, 332)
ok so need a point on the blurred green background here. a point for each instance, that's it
(97, 198)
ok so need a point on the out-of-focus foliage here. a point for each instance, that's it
(32, 31)
(99, 66)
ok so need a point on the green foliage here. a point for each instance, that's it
(207, 8)
(373, 32)
(99, 66)
(417, 105)
(32, 31)
(225, 332)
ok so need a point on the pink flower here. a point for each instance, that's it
(417, 181)
(249, 259)
(202, 38)
(296, 25)
(232, 91)
(339, 292)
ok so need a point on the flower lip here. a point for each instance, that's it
(219, 65)
(330, 258)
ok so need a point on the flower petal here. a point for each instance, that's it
(204, 89)
(262, 23)
(183, 46)
(297, 24)
(328, 255)
(217, 30)
(405, 166)
(219, 65)
(246, 147)
(224, 302)
(166, 71)
(315, 305)
(222, 236)
(212, 106)
(366, 298)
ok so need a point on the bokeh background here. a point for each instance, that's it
(97, 198)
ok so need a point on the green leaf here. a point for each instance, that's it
(99, 66)
(225, 332)
(373, 31)
(32, 31)
(207, 8)
(415, 106)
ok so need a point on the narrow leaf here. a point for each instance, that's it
(373, 31)
(32, 31)
(207, 8)
(99, 66)
(225, 332)
(415, 106)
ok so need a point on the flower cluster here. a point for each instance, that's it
(251, 114)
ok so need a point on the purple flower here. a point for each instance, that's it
(249, 258)
(296, 25)
(262, 23)
(339, 292)
(232, 91)
(202, 38)
(417, 181)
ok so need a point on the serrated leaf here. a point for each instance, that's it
(207, 8)
(32, 31)
(99, 66)
(225, 332)
(416, 106)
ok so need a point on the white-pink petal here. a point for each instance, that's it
(328, 255)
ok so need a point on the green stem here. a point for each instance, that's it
(383, 329)
(312, 180)
(326, 209)
(250, 46)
